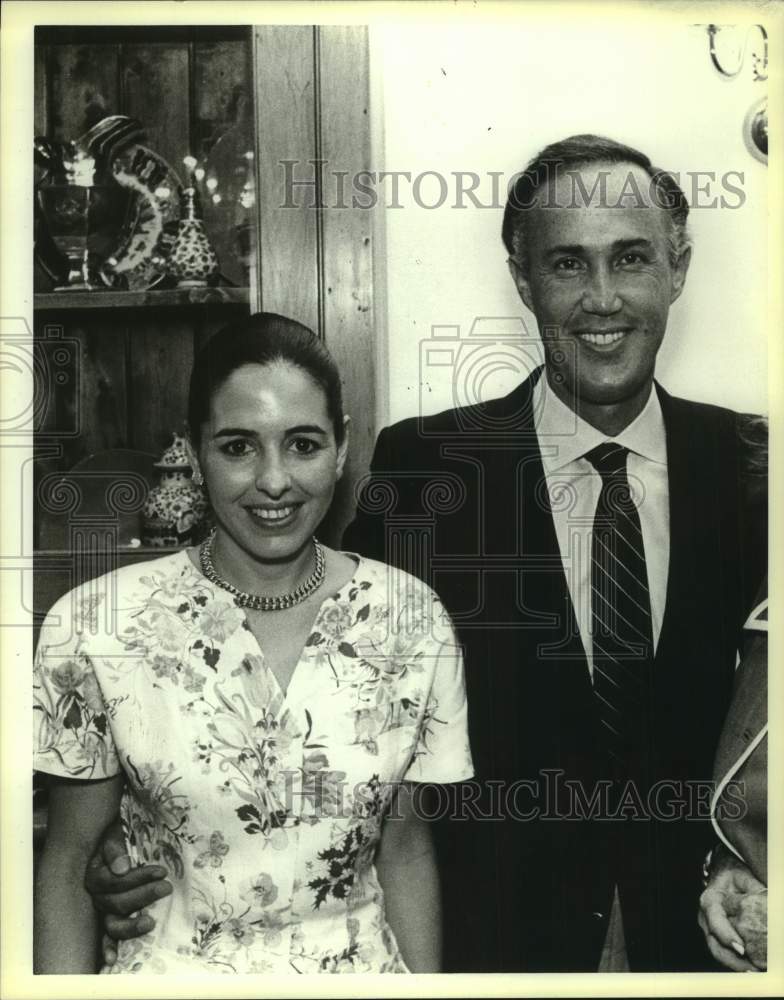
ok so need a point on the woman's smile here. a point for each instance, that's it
(274, 516)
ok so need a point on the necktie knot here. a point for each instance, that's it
(608, 459)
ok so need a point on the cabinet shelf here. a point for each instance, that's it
(97, 299)
(124, 553)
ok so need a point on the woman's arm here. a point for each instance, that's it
(407, 872)
(66, 925)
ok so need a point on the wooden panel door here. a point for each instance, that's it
(315, 264)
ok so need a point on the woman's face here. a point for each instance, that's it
(269, 460)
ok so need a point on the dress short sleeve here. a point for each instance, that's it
(71, 733)
(442, 752)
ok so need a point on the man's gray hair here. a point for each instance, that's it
(578, 151)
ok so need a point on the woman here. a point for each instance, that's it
(256, 708)
(733, 911)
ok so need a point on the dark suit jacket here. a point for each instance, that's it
(742, 754)
(459, 499)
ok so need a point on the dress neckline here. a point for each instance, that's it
(330, 598)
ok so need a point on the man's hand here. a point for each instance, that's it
(120, 892)
(733, 915)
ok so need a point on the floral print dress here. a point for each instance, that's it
(265, 808)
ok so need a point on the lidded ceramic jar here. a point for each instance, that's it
(174, 509)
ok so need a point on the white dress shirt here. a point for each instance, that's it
(574, 486)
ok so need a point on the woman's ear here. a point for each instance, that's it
(193, 461)
(343, 447)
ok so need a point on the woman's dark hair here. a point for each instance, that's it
(261, 339)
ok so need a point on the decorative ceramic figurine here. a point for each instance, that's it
(175, 509)
(192, 259)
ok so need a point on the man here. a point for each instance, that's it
(593, 677)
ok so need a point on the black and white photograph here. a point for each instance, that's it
(386, 495)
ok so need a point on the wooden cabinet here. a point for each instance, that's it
(122, 358)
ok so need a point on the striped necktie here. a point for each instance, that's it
(620, 616)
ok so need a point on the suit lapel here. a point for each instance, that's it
(554, 649)
(520, 524)
(680, 483)
(693, 667)
(692, 509)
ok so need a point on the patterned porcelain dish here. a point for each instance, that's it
(155, 187)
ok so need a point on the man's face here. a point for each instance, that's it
(600, 284)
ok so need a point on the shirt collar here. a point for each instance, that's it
(564, 437)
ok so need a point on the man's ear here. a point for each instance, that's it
(343, 447)
(679, 272)
(521, 282)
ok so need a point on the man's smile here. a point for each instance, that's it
(603, 341)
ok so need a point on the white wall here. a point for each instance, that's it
(486, 97)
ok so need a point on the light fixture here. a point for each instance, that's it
(731, 35)
(755, 130)
(728, 51)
